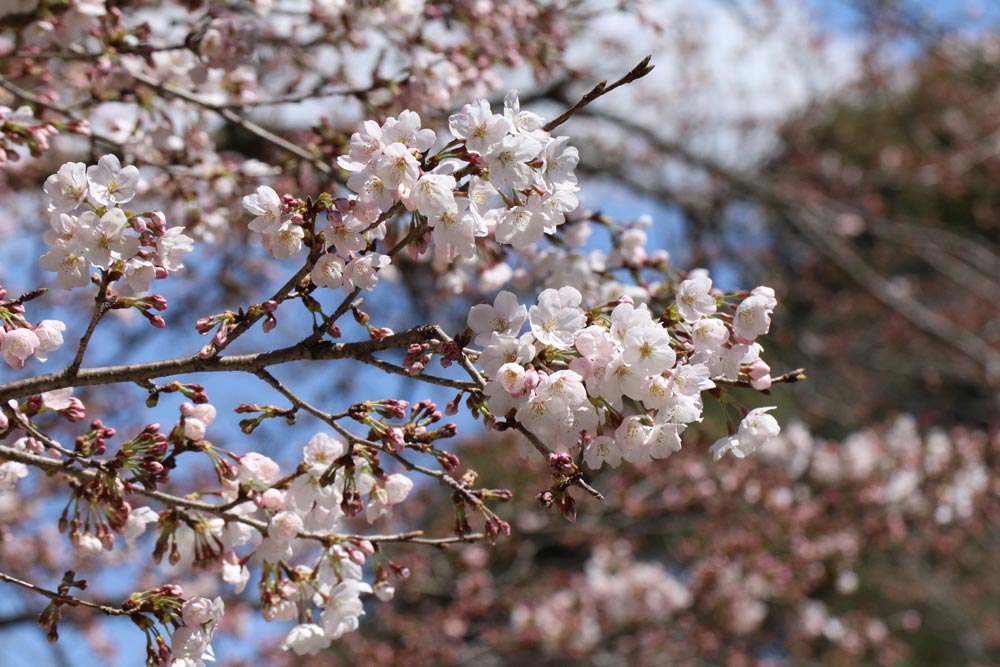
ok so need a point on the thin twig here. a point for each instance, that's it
(248, 320)
(65, 599)
(100, 308)
(423, 377)
(19, 421)
(798, 375)
(601, 89)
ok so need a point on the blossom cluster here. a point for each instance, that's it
(191, 642)
(297, 510)
(56, 29)
(135, 247)
(503, 176)
(614, 380)
(20, 340)
(508, 155)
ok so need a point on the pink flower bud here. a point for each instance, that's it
(157, 302)
(395, 439)
(531, 380)
(273, 499)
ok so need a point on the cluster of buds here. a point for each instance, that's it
(51, 615)
(144, 305)
(94, 441)
(21, 340)
(20, 127)
(60, 401)
(249, 424)
(193, 392)
(145, 457)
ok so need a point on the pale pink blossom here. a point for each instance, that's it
(110, 183)
(18, 345)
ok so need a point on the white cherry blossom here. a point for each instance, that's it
(110, 183)
(506, 317)
(328, 271)
(67, 187)
(362, 272)
(693, 298)
(557, 317)
(18, 345)
(753, 315)
(478, 126)
(265, 205)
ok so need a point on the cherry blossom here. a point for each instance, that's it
(110, 183)
(18, 345)
(693, 298)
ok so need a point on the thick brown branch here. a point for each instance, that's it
(140, 372)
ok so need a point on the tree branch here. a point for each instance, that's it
(139, 372)
(65, 599)
(601, 89)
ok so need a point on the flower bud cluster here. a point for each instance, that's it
(615, 380)
(135, 248)
(20, 127)
(20, 340)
